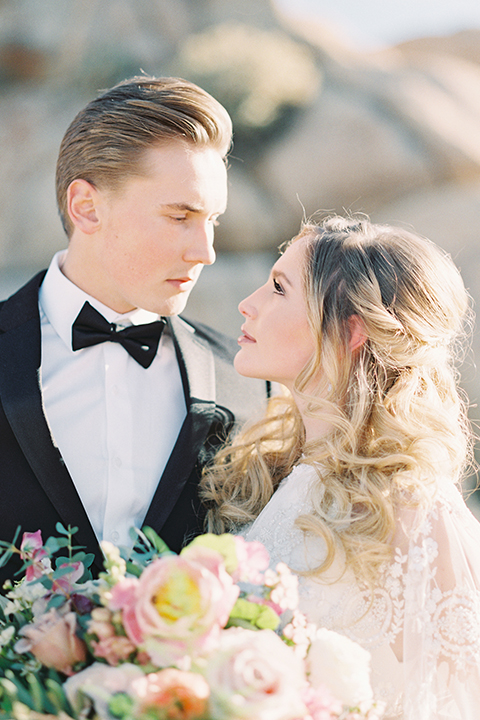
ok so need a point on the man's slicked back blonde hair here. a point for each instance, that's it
(106, 142)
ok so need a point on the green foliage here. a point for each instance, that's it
(253, 616)
(42, 693)
(148, 546)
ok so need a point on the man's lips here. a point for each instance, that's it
(182, 283)
(245, 338)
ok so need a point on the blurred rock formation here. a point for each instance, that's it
(319, 126)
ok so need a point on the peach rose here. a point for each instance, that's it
(178, 694)
(177, 606)
(53, 641)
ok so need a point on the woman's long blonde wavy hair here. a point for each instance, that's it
(397, 415)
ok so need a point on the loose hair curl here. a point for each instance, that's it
(398, 417)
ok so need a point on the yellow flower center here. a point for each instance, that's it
(178, 597)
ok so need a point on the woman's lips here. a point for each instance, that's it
(245, 338)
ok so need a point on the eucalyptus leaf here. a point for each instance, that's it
(61, 529)
(56, 601)
(53, 545)
(160, 546)
(61, 571)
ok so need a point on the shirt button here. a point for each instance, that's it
(115, 390)
(114, 536)
(117, 462)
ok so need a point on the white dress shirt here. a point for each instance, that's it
(114, 422)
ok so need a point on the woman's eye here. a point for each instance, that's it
(278, 288)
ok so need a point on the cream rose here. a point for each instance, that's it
(97, 684)
(342, 666)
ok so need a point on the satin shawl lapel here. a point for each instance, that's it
(20, 358)
(198, 373)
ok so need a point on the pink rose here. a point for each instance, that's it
(178, 605)
(53, 641)
(252, 675)
(179, 695)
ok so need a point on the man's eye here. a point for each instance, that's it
(278, 288)
(178, 218)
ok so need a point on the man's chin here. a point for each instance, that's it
(175, 305)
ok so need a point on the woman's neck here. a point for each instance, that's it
(316, 427)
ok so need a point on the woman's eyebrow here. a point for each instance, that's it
(279, 273)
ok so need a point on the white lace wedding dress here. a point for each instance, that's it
(423, 628)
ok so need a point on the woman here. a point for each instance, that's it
(351, 478)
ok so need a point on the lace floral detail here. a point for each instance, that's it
(421, 623)
(456, 628)
(282, 537)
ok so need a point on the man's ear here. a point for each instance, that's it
(82, 203)
(357, 332)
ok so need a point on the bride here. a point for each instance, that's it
(352, 477)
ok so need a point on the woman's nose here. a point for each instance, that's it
(247, 308)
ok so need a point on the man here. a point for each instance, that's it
(103, 427)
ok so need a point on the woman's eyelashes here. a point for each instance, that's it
(277, 287)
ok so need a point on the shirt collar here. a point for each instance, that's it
(60, 301)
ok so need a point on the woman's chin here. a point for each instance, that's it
(245, 368)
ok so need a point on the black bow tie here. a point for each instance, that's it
(140, 341)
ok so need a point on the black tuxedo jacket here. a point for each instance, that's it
(36, 490)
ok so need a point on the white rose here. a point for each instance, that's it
(253, 674)
(342, 665)
(97, 684)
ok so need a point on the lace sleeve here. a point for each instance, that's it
(421, 624)
(437, 570)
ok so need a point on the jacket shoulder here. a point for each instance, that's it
(22, 305)
(247, 396)
(221, 344)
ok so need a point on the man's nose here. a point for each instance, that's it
(200, 247)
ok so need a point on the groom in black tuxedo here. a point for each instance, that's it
(111, 404)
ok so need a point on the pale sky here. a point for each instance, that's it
(376, 23)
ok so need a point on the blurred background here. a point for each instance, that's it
(337, 105)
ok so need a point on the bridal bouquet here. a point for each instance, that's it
(209, 634)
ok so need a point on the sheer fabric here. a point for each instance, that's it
(422, 626)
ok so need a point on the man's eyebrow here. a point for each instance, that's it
(182, 207)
